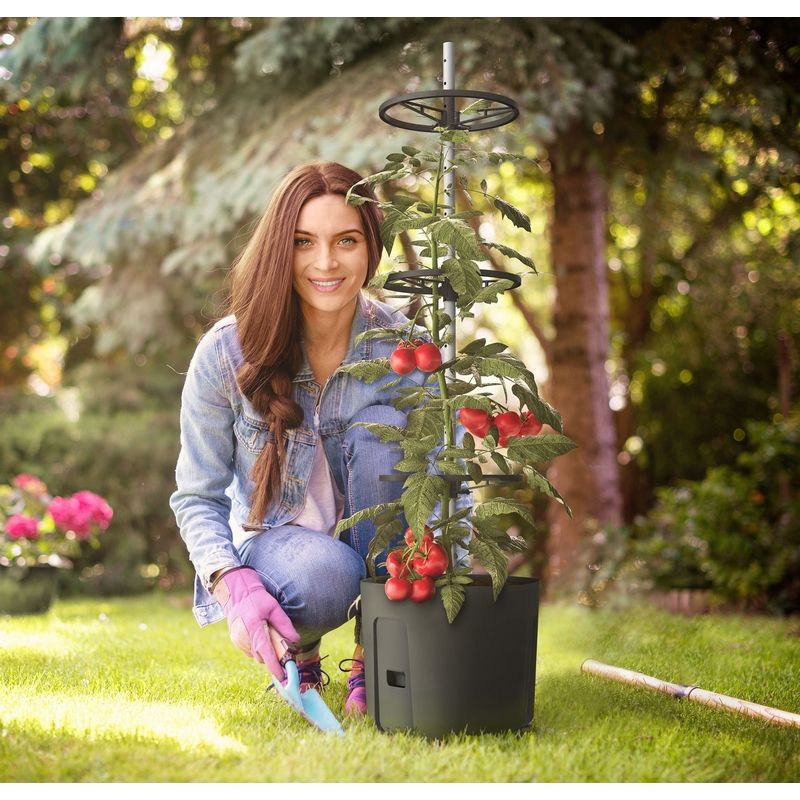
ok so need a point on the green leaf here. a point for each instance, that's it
(501, 462)
(453, 595)
(508, 367)
(468, 442)
(420, 495)
(471, 401)
(366, 513)
(493, 560)
(455, 452)
(537, 449)
(514, 214)
(494, 348)
(428, 421)
(411, 223)
(399, 202)
(383, 537)
(503, 505)
(456, 387)
(466, 215)
(473, 347)
(457, 233)
(449, 468)
(452, 135)
(475, 472)
(411, 464)
(379, 279)
(386, 175)
(394, 334)
(396, 157)
(386, 433)
(387, 231)
(513, 544)
(356, 199)
(464, 276)
(413, 398)
(418, 447)
(368, 371)
(542, 410)
(538, 481)
(491, 293)
(511, 253)
(484, 185)
(409, 150)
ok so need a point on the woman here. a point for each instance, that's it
(270, 459)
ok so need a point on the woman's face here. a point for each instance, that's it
(329, 248)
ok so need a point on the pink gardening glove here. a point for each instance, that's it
(249, 608)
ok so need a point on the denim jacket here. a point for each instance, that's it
(222, 435)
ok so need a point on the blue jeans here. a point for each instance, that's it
(315, 577)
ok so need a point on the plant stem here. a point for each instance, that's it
(448, 428)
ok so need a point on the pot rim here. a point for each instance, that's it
(479, 580)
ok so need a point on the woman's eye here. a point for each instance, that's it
(347, 239)
(300, 241)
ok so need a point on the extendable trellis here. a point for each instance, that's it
(426, 111)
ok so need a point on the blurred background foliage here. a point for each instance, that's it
(139, 151)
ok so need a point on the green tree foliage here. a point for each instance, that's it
(138, 151)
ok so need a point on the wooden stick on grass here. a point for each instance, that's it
(693, 693)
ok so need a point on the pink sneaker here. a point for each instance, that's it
(311, 675)
(356, 703)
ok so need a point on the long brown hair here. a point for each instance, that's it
(267, 310)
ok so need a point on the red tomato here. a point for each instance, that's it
(475, 420)
(397, 588)
(423, 589)
(395, 565)
(508, 423)
(530, 425)
(402, 360)
(432, 562)
(428, 357)
(427, 536)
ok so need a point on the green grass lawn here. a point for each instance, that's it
(134, 690)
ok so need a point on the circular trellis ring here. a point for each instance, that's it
(419, 281)
(494, 111)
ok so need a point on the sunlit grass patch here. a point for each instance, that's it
(98, 717)
(133, 690)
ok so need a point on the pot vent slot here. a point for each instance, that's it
(394, 678)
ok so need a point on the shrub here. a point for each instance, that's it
(736, 532)
(124, 445)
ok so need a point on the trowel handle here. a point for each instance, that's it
(281, 647)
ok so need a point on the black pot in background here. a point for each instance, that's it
(28, 590)
(476, 675)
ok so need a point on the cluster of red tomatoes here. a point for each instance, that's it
(408, 356)
(509, 423)
(412, 569)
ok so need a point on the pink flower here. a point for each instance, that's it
(69, 516)
(81, 513)
(21, 526)
(99, 511)
(30, 483)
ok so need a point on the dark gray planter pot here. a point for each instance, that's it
(476, 675)
(27, 590)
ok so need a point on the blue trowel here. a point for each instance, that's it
(308, 703)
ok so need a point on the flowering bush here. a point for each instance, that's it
(36, 528)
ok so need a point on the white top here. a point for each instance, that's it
(324, 502)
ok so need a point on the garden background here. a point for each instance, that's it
(664, 324)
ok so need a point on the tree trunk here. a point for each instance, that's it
(587, 477)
